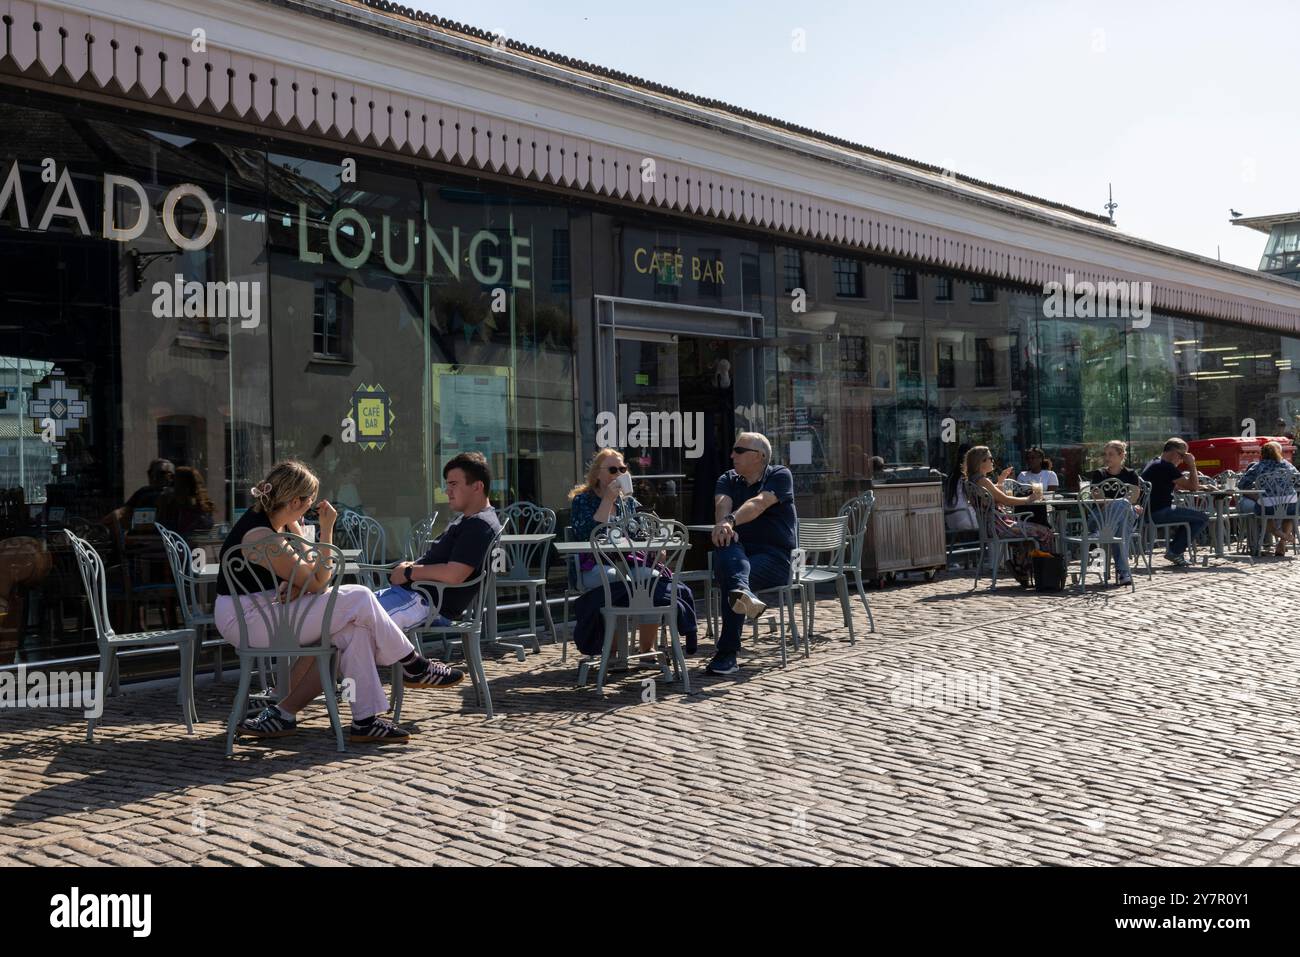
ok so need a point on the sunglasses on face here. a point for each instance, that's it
(616, 469)
(741, 450)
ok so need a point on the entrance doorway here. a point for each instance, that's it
(677, 381)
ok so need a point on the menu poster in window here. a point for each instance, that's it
(472, 404)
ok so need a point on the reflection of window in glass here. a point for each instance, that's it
(709, 285)
(904, 284)
(942, 289)
(559, 260)
(793, 270)
(331, 321)
(668, 278)
(909, 360)
(983, 292)
(751, 288)
(985, 364)
(853, 360)
(947, 365)
(848, 278)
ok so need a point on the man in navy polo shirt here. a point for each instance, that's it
(753, 535)
(1166, 477)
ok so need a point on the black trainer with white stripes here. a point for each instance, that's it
(436, 675)
(270, 723)
(377, 730)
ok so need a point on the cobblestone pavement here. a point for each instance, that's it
(973, 728)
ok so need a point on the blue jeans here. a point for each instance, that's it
(1196, 519)
(1124, 530)
(755, 569)
(406, 607)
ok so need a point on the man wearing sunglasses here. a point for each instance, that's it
(753, 536)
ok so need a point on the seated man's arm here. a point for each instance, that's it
(755, 507)
(721, 506)
(451, 573)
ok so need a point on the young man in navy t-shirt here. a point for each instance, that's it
(455, 556)
(1166, 476)
(753, 535)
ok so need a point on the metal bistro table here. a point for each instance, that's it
(534, 538)
(565, 549)
(1220, 497)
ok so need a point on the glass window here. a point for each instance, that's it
(792, 260)
(134, 372)
(331, 321)
(560, 261)
(904, 284)
(983, 292)
(848, 278)
(942, 289)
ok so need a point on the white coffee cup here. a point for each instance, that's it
(309, 532)
(624, 481)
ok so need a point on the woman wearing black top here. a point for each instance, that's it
(359, 627)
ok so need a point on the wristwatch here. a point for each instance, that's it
(407, 572)
(729, 517)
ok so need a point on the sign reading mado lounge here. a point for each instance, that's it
(492, 258)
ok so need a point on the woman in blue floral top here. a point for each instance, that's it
(602, 499)
(1271, 462)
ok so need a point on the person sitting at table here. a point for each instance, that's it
(1113, 455)
(185, 507)
(977, 468)
(360, 629)
(958, 515)
(753, 537)
(1038, 469)
(604, 496)
(455, 556)
(160, 473)
(1165, 474)
(1271, 462)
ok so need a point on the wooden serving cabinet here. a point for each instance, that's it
(906, 531)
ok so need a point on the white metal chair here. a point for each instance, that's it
(419, 537)
(858, 513)
(471, 630)
(992, 546)
(1276, 504)
(631, 548)
(526, 564)
(184, 640)
(1106, 508)
(282, 621)
(823, 542)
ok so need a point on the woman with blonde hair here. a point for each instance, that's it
(1272, 462)
(977, 468)
(604, 496)
(360, 629)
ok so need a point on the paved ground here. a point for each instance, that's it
(1156, 727)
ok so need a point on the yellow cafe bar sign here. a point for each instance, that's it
(668, 264)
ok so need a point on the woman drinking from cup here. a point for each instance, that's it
(605, 496)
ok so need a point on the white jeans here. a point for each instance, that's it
(359, 627)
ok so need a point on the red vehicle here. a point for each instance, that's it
(1234, 452)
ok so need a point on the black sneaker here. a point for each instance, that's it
(692, 643)
(377, 731)
(744, 602)
(722, 665)
(1178, 561)
(269, 724)
(437, 675)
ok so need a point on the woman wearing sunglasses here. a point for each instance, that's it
(605, 496)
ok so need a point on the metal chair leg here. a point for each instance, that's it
(241, 701)
(331, 700)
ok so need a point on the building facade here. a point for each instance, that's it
(337, 232)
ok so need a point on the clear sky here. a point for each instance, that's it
(1189, 109)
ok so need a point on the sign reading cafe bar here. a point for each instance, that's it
(493, 259)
